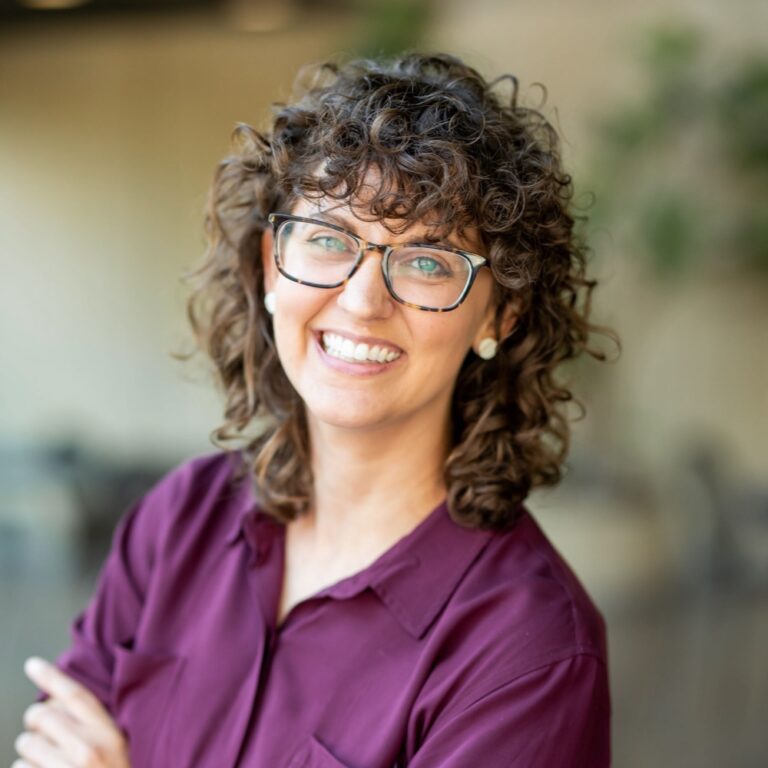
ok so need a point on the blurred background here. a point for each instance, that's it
(113, 115)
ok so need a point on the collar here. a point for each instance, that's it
(414, 578)
(418, 575)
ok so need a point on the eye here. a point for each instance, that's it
(428, 266)
(330, 243)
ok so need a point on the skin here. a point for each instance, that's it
(378, 443)
(71, 729)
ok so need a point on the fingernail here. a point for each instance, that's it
(31, 713)
(22, 742)
(34, 666)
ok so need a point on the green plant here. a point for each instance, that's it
(683, 169)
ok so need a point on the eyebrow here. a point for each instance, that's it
(342, 221)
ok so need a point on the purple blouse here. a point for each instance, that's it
(456, 648)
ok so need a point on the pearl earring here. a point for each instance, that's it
(269, 302)
(487, 348)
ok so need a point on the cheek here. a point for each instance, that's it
(297, 305)
(442, 342)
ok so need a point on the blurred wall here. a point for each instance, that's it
(109, 136)
(110, 130)
(695, 361)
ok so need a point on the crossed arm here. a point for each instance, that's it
(70, 729)
(552, 717)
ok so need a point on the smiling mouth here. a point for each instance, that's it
(357, 352)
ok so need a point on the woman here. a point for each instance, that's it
(392, 282)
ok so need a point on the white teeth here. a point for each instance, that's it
(346, 349)
(361, 352)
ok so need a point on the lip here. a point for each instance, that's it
(369, 340)
(353, 369)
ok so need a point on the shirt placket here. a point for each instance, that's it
(264, 576)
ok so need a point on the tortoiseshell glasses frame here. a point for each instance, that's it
(474, 262)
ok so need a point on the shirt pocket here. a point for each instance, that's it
(143, 685)
(313, 754)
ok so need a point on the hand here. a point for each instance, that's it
(71, 729)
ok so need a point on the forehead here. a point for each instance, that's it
(355, 214)
(387, 205)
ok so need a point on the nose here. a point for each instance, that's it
(365, 294)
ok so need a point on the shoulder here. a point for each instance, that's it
(521, 607)
(211, 470)
(556, 600)
(519, 644)
(200, 492)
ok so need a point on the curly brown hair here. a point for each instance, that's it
(446, 145)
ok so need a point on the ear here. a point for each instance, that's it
(508, 319)
(498, 328)
(268, 260)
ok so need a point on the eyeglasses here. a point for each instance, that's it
(420, 275)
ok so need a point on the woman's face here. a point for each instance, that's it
(428, 347)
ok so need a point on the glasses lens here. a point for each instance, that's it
(429, 277)
(315, 253)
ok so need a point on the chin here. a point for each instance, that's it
(347, 409)
(344, 417)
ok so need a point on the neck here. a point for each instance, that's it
(376, 483)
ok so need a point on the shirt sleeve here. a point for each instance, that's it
(113, 612)
(557, 716)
